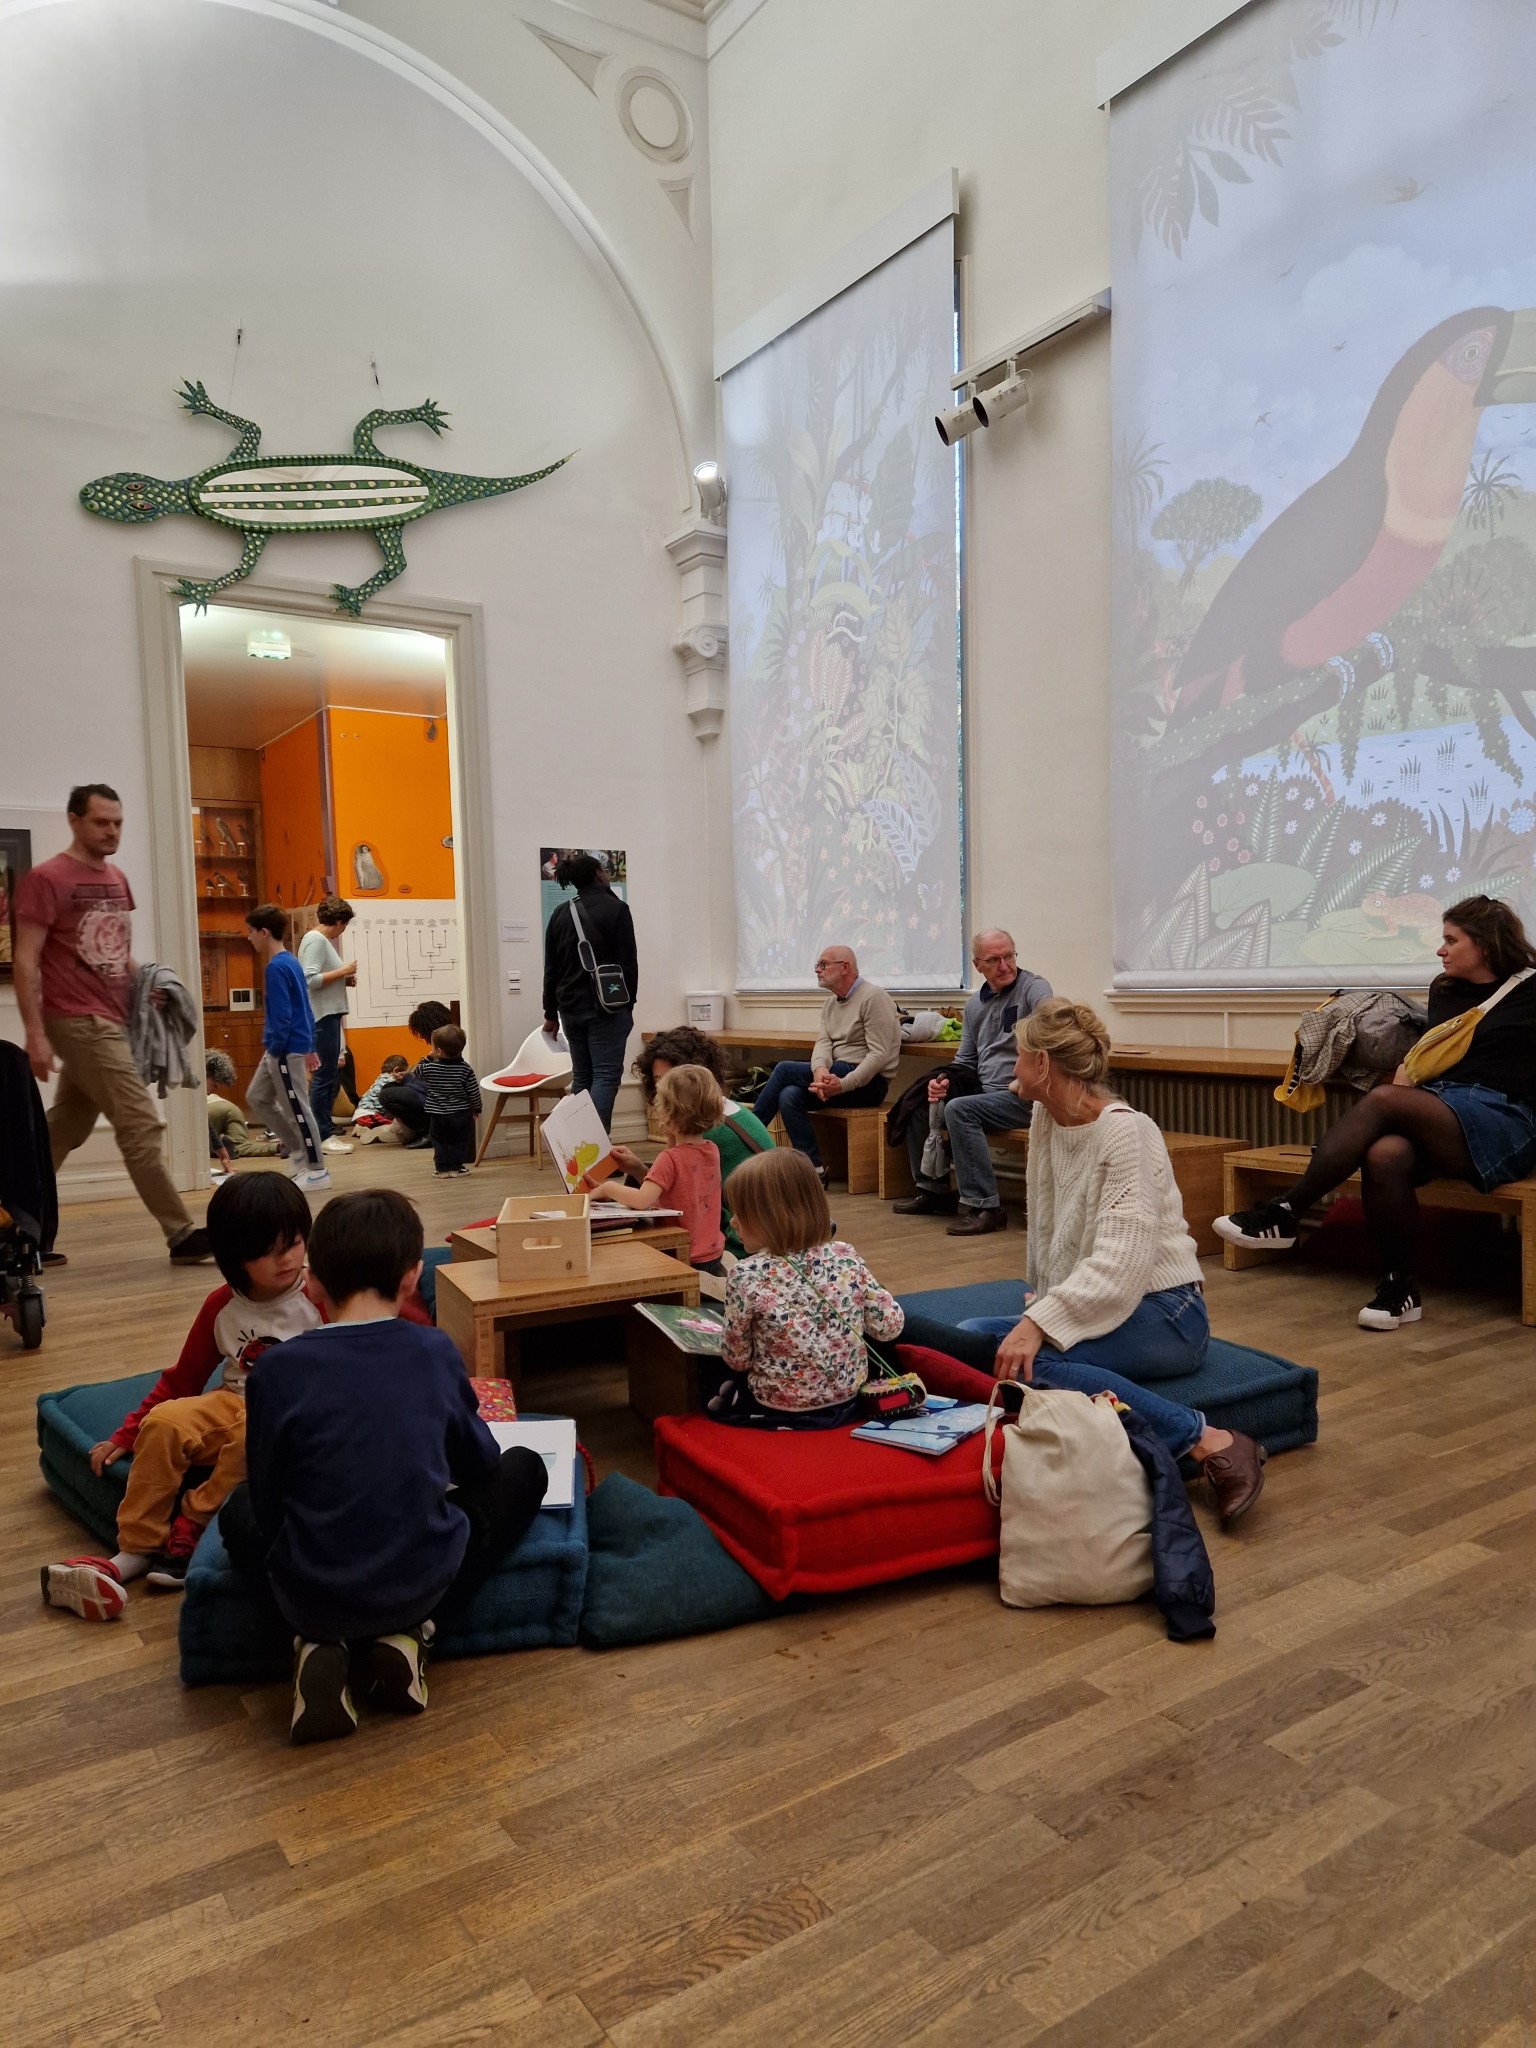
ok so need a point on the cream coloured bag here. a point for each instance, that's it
(1076, 1504)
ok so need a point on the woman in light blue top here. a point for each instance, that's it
(327, 977)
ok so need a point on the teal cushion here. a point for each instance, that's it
(656, 1569)
(68, 1423)
(1237, 1387)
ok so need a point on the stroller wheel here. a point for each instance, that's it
(30, 1317)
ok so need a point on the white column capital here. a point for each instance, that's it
(698, 550)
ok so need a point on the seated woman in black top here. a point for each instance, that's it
(1475, 1122)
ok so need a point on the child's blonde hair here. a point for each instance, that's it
(778, 1200)
(689, 1102)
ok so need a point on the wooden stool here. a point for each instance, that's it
(853, 1148)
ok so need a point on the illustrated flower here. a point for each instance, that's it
(1290, 826)
(1354, 848)
(1200, 803)
(1251, 789)
(1216, 865)
(1426, 881)
(1310, 804)
(1380, 818)
(1210, 838)
(1198, 827)
(1453, 874)
(1242, 817)
(1521, 819)
(1221, 818)
(1292, 793)
(1244, 857)
(1231, 846)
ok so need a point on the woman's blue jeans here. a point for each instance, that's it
(324, 1081)
(1164, 1335)
(597, 1056)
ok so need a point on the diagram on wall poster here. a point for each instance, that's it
(406, 953)
(1325, 506)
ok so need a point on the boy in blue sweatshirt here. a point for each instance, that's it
(354, 1434)
(278, 1095)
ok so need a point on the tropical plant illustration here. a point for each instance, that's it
(844, 663)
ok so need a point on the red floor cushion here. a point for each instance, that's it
(814, 1512)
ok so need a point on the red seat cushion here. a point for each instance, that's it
(811, 1511)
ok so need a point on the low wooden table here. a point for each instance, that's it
(672, 1238)
(485, 1317)
(1251, 1176)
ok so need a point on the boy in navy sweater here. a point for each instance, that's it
(279, 1091)
(354, 1433)
(453, 1099)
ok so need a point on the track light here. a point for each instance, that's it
(998, 400)
(709, 479)
(958, 421)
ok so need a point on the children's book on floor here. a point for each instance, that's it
(578, 1143)
(698, 1331)
(934, 1429)
(552, 1438)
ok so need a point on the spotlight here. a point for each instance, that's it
(958, 421)
(710, 480)
(999, 400)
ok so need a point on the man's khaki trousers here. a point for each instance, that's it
(100, 1078)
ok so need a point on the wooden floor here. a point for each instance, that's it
(904, 1815)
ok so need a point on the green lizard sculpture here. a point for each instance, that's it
(259, 495)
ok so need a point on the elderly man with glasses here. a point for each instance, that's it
(985, 1056)
(858, 1048)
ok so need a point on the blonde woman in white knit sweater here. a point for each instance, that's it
(1114, 1295)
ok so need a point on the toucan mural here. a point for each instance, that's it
(1325, 574)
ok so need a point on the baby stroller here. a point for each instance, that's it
(29, 1203)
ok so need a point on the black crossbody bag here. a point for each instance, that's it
(607, 978)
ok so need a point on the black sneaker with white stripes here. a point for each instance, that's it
(1266, 1227)
(1395, 1302)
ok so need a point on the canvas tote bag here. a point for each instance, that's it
(1076, 1504)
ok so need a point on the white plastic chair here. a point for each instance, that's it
(547, 1059)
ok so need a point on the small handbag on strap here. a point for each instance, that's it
(1448, 1044)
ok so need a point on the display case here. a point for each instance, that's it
(231, 877)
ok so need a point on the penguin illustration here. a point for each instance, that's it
(364, 869)
(1328, 572)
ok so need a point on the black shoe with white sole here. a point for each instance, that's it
(322, 1698)
(1395, 1302)
(1266, 1227)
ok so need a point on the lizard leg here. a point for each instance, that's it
(196, 400)
(191, 592)
(392, 548)
(430, 414)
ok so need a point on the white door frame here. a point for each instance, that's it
(173, 870)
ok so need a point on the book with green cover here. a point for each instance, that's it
(698, 1331)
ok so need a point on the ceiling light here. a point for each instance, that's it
(710, 479)
(268, 643)
(998, 400)
(958, 421)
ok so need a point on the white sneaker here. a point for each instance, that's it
(310, 1179)
(335, 1145)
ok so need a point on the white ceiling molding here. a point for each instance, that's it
(1167, 29)
(677, 28)
(644, 79)
(680, 192)
(725, 17)
(585, 63)
(510, 143)
(938, 199)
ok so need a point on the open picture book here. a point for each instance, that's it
(578, 1144)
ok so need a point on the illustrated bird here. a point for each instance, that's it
(1333, 567)
(1262, 420)
(1406, 189)
(365, 869)
(1287, 271)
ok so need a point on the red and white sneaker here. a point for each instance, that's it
(88, 1586)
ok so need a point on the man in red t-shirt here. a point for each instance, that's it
(74, 970)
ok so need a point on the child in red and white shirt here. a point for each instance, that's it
(687, 1175)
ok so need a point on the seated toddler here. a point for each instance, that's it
(687, 1175)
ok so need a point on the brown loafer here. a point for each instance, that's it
(979, 1222)
(1235, 1476)
(926, 1203)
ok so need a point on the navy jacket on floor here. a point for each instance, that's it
(352, 1435)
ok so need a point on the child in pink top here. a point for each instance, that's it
(687, 1175)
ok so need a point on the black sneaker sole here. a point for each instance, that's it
(390, 1676)
(323, 1697)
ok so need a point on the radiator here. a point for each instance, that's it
(1227, 1106)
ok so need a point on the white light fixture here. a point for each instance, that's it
(998, 400)
(709, 479)
(268, 643)
(958, 421)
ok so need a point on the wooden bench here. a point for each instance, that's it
(853, 1148)
(1198, 1164)
(1251, 1176)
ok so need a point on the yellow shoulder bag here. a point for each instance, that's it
(1447, 1044)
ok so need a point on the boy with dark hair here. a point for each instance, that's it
(355, 1434)
(279, 1091)
(257, 1227)
(452, 1097)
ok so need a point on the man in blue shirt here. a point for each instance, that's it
(986, 1052)
(279, 1092)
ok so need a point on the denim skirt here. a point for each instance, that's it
(1500, 1134)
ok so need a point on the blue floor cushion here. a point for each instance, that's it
(1265, 1397)
(657, 1569)
(229, 1636)
(68, 1424)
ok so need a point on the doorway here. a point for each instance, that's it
(302, 755)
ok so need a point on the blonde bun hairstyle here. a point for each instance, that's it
(1076, 1038)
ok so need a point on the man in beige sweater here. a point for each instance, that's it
(857, 1050)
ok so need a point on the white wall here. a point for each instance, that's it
(822, 119)
(175, 170)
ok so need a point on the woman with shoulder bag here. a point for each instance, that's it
(1114, 1293)
(591, 979)
(1461, 1107)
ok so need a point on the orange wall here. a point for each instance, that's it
(390, 792)
(292, 816)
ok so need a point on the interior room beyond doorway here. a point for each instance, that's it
(320, 765)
